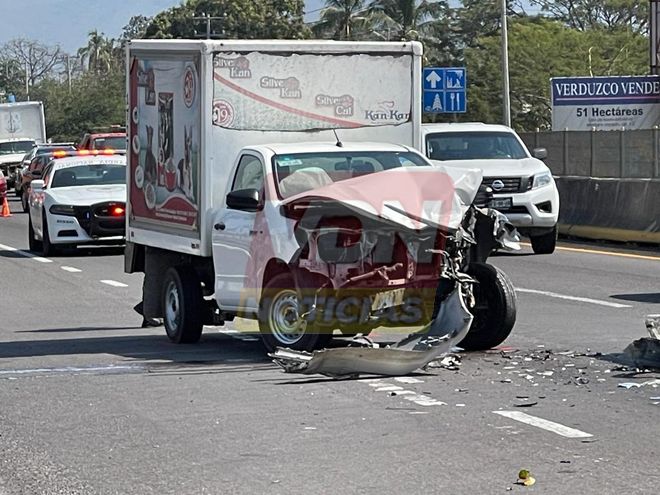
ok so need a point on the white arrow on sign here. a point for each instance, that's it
(434, 79)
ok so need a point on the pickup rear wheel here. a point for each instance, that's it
(182, 305)
(280, 320)
(494, 310)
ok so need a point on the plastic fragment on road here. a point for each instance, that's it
(629, 385)
(412, 353)
(653, 326)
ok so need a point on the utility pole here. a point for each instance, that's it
(68, 71)
(27, 80)
(506, 99)
(208, 19)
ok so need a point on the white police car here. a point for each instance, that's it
(81, 199)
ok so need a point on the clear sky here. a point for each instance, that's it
(67, 22)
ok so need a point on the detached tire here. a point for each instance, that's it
(495, 308)
(278, 318)
(545, 244)
(182, 305)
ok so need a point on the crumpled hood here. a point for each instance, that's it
(88, 195)
(525, 167)
(12, 158)
(415, 198)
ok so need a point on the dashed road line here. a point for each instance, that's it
(408, 379)
(113, 283)
(558, 428)
(25, 254)
(573, 298)
(410, 395)
(70, 269)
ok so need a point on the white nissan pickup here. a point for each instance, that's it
(523, 187)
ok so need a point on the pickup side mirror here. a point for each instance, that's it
(540, 153)
(37, 185)
(244, 199)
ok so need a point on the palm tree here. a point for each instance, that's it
(407, 19)
(99, 53)
(343, 19)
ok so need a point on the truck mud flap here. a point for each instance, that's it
(415, 351)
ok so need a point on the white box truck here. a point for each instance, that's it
(279, 180)
(22, 125)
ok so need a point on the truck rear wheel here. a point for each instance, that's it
(280, 322)
(182, 305)
(494, 310)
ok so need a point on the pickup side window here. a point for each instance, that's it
(249, 174)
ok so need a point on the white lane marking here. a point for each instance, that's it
(573, 298)
(26, 254)
(388, 388)
(70, 269)
(551, 426)
(73, 369)
(424, 400)
(113, 283)
(408, 379)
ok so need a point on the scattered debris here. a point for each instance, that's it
(413, 352)
(644, 352)
(525, 478)
(524, 403)
(450, 362)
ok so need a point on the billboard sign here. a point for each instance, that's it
(605, 103)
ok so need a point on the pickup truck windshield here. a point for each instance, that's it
(301, 172)
(12, 147)
(89, 175)
(474, 146)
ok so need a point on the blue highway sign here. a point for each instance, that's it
(444, 89)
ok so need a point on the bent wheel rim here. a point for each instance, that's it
(283, 318)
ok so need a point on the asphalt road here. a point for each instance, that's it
(91, 403)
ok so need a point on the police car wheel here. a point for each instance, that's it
(33, 243)
(47, 248)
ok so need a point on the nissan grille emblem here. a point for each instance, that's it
(497, 185)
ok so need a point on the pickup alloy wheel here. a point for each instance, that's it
(182, 305)
(280, 320)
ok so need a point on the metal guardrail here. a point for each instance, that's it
(632, 154)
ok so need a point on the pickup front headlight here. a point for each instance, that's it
(63, 210)
(541, 180)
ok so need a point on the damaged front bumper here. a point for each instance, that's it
(415, 351)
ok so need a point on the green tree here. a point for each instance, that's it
(241, 19)
(593, 14)
(409, 19)
(344, 20)
(540, 49)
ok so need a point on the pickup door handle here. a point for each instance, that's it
(219, 226)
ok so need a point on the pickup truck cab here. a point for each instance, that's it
(523, 186)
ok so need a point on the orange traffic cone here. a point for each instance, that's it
(5, 209)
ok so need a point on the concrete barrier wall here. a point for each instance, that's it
(625, 210)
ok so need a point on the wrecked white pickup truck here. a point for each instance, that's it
(261, 198)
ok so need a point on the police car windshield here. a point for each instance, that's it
(89, 175)
(474, 146)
